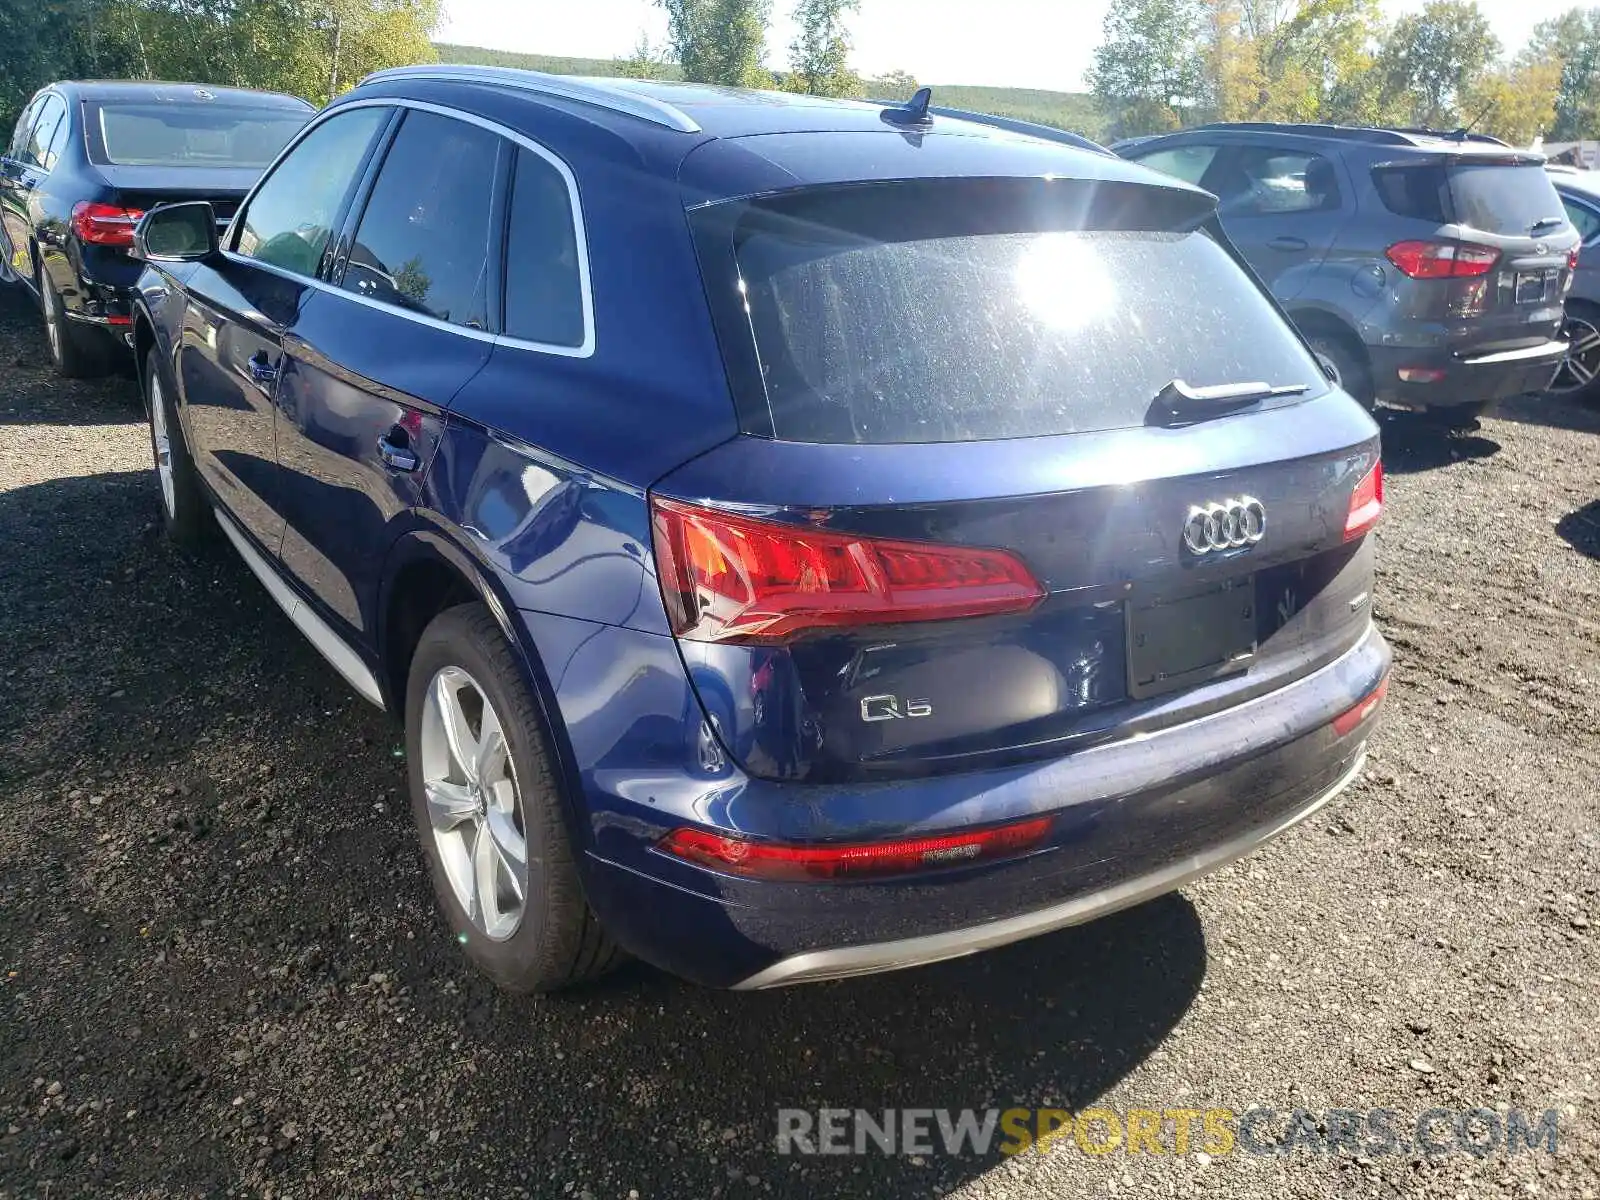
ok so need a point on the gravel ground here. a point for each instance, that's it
(223, 973)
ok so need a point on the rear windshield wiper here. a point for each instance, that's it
(1546, 223)
(1180, 401)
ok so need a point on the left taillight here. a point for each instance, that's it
(1366, 503)
(779, 861)
(727, 577)
(104, 224)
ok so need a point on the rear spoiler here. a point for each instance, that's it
(1048, 133)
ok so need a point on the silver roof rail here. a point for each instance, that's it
(646, 108)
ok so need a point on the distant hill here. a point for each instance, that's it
(1065, 110)
(550, 63)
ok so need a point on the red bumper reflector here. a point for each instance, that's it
(781, 862)
(116, 320)
(1421, 374)
(1346, 721)
(729, 577)
(1366, 503)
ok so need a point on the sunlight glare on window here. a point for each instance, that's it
(1063, 283)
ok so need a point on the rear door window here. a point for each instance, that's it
(423, 242)
(51, 114)
(1259, 181)
(1584, 219)
(24, 129)
(1188, 163)
(880, 315)
(291, 216)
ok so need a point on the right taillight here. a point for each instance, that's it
(1443, 260)
(1366, 503)
(728, 577)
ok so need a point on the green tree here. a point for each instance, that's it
(46, 40)
(1573, 41)
(819, 56)
(1432, 61)
(896, 85)
(1287, 60)
(720, 41)
(1517, 103)
(1149, 67)
(646, 62)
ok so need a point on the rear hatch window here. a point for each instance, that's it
(165, 134)
(1511, 199)
(951, 310)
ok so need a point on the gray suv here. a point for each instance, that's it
(1427, 270)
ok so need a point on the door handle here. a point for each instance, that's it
(395, 449)
(1291, 245)
(263, 369)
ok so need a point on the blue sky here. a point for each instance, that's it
(1015, 43)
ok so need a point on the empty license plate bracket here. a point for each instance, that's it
(1179, 641)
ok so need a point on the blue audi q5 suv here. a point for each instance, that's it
(801, 537)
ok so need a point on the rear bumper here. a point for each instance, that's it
(818, 965)
(1462, 378)
(1131, 820)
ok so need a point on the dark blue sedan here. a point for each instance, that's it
(801, 537)
(84, 164)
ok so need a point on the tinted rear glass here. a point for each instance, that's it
(877, 329)
(191, 135)
(1503, 199)
(1495, 198)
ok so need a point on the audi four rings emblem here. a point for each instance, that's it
(1229, 525)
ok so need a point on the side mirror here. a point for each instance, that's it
(177, 233)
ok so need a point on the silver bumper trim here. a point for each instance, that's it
(1553, 350)
(817, 965)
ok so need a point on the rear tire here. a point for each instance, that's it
(76, 353)
(485, 798)
(1347, 364)
(1579, 375)
(185, 515)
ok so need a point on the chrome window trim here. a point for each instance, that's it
(585, 349)
(585, 91)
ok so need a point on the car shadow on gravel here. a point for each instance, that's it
(1581, 529)
(1412, 445)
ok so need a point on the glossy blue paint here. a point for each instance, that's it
(533, 489)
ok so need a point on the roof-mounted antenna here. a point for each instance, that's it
(913, 112)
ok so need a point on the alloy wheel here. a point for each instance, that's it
(474, 805)
(162, 445)
(1582, 363)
